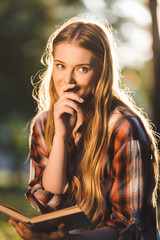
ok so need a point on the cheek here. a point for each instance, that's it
(89, 83)
(56, 78)
(93, 80)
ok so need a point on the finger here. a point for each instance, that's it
(61, 226)
(65, 88)
(56, 235)
(17, 227)
(63, 230)
(12, 222)
(73, 96)
(28, 234)
(69, 103)
(64, 109)
(12, 219)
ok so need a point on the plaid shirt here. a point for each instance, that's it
(124, 177)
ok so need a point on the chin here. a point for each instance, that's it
(87, 97)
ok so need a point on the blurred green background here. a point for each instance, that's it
(25, 26)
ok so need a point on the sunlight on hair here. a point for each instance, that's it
(41, 89)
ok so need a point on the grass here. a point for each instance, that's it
(14, 197)
(7, 232)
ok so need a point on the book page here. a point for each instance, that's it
(56, 214)
(13, 213)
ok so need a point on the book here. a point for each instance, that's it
(73, 218)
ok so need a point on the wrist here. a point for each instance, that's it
(61, 137)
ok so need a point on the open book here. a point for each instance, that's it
(72, 217)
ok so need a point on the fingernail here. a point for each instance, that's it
(82, 100)
(79, 109)
(11, 223)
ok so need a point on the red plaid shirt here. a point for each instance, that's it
(124, 179)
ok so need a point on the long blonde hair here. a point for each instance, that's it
(96, 37)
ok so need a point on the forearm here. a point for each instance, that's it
(54, 176)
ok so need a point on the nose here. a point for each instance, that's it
(69, 77)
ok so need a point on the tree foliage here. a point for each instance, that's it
(24, 28)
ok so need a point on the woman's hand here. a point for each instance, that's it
(105, 233)
(66, 110)
(27, 234)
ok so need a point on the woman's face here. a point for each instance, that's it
(73, 64)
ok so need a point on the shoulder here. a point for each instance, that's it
(37, 136)
(38, 148)
(126, 127)
(126, 124)
(39, 124)
(40, 119)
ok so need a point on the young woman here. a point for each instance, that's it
(90, 144)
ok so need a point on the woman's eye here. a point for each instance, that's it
(60, 66)
(83, 69)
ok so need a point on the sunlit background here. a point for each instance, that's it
(24, 29)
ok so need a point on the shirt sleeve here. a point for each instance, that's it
(39, 198)
(128, 171)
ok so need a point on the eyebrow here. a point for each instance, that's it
(81, 64)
